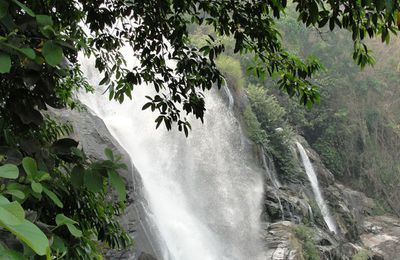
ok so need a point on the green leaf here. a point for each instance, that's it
(93, 181)
(73, 230)
(61, 219)
(16, 193)
(42, 176)
(77, 176)
(109, 154)
(14, 186)
(53, 197)
(5, 63)
(118, 184)
(44, 20)
(58, 244)
(53, 53)
(65, 44)
(36, 187)
(3, 8)
(30, 166)
(31, 235)
(3, 200)
(9, 254)
(9, 171)
(12, 213)
(25, 8)
(78, 152)
(28, 52)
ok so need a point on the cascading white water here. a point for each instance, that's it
(273, 178)
(231, 101)
(270, 173)
(311, 214)
(204, 198)
(316, 190)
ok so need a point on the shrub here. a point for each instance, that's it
(266, 107)
(270, 119)
(232, 70)
(253, 127)
(361, 255)
(305, 235)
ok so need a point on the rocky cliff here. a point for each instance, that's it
(295, 228)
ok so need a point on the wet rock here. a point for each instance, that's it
(382, 236)
(146, 256)
(280, 242)
(360, 233)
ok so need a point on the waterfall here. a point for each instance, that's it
(312, 177)
(229, 95)
(203, 195)
(311, 214)
(271, 174)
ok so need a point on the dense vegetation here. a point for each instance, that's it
(355, 129)
(52, 197)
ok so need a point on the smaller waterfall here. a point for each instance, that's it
(273, 178)
(270, 173)
(231, 100)
(311, 214)
(315, 187)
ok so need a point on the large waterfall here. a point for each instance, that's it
(204, 198)
(316, 190)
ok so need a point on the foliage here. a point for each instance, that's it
(280, 147)
(36, 166)
(361, 255)
(39, 43)
(53, 198)
(253, 127)
(305, 235)
(159, 32)
(231, 69)
(47, 196)
(266, 107)
(355, 129)
(270, 119)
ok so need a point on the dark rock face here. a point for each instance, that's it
(94, 137)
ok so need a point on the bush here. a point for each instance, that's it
(266, 107)
(361, 255)
(253, 127)
(270, 119)
(232, 70)
(305, 235)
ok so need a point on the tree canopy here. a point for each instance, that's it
(37, 33)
